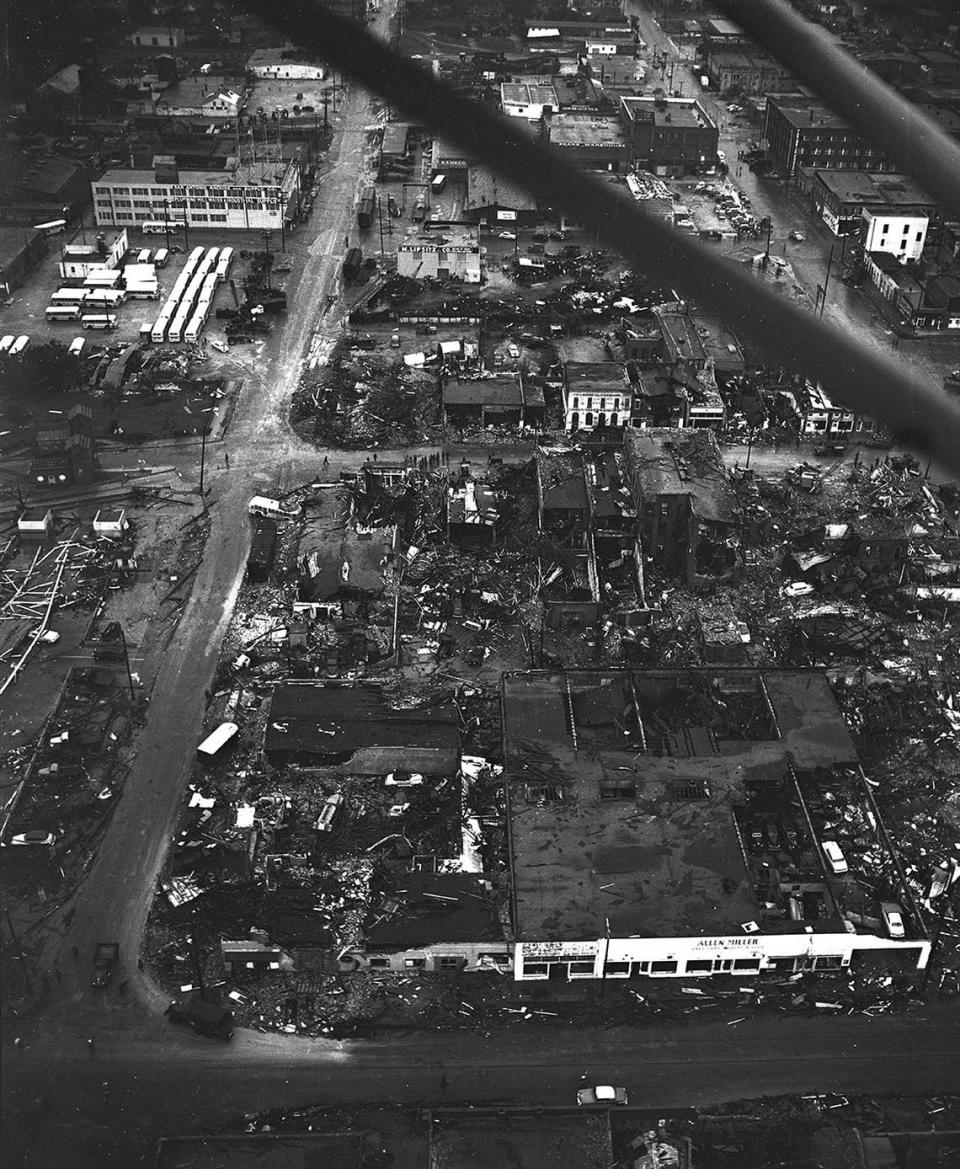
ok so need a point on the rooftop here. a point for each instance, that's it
(680, 336)
(259, 174)
(807, 113)
(522, 93)
(586, 130)
(437, 907)
(355, 726)
(583, 377)
(501, 390)
(874, 188)
(560, 479)
(663, 111)
(623, 786)
(682, 462)
(449, 236)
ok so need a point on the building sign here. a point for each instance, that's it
(507, 216)
(724, 943)
(563, 950)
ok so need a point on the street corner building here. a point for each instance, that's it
(686, 822)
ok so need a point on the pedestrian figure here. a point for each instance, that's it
(18, 1042)
(90, 1044)
(326, 462)
(139, 963)
(75, 952)
(226, 461)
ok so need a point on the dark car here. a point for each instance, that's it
(826, 449)
(239, 339)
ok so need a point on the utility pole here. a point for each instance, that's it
(265, 235)
(380, 217)
(126, 662)
(769, 232)
(826, 281)
(203, 458)
(166, 222)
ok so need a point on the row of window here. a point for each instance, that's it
(671, 966)
(598, 403)
(444, 962)
(195, 217)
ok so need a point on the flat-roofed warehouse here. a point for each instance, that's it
(643, 807)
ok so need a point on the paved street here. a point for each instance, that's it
(141, 1082)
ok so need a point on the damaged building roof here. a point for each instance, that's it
(623, 786)
(502, 390)
(437, 907)
(680, 336)
(561, 483)
(355, 726)
(664, 461)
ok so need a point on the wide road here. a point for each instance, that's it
(115, 897)
(75, 1108)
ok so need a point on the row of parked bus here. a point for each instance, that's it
(95, 302)
(186, 309)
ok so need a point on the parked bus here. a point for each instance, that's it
(63, 312)
(106, 321)
(439, 182)
(195, 328)
(143, 256)
(146, 333)
(213, 744)
(66, 296)
(111, 297)
(20, 344)
(159, 227)
(6, 342)
(160, 257)
(143, 291)
(76, 347)
(159, 331)
(110, 278)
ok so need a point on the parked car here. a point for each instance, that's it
(35, 838)
(830, 448)
(506, 235)
(797, 236)
(603, 1096)
(833, 855)
(892, 916)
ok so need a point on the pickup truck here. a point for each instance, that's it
(105, 958)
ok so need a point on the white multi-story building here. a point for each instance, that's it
(902, 235)
(244, 197)
(596, 393)
(452, 251)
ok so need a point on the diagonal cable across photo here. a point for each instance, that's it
(852, 372)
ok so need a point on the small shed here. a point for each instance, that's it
(110, 521)
(35, 523)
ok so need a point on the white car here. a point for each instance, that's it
(603, 1096)
(893, 919)
(506, 235)
(721, 155)
(36, 838)
(797, 236)
(834, 857)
